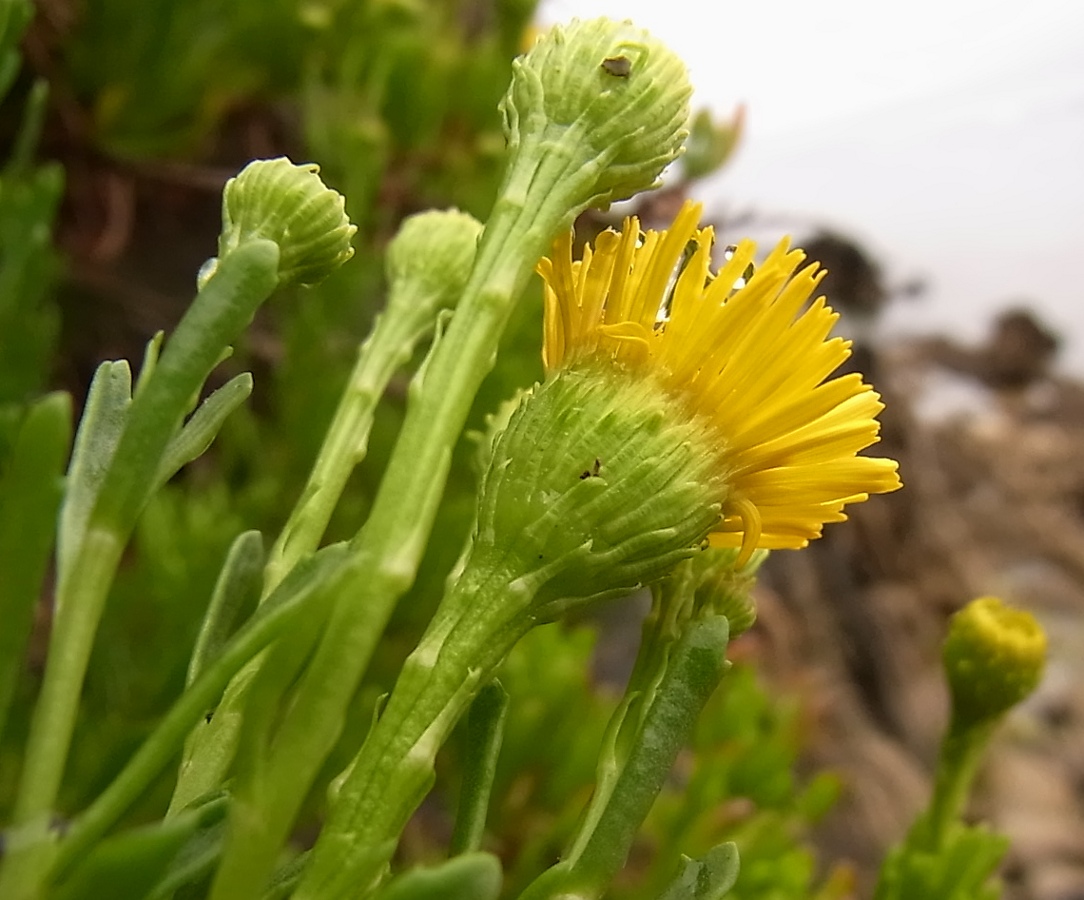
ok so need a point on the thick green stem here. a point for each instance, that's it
(387, 349)
(210, 751)
(479, 621)
(961, 752)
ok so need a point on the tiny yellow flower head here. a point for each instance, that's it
(994, 657)
(749, 354)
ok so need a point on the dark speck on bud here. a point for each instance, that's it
(618, 66)
(276, 200)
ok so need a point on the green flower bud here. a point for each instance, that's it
(711, 144)
(595, 487)
(994, 657)
(432, 253)
(617, 96)
(724, 589)
(288, 204)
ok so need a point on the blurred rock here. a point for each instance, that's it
(1018, 351)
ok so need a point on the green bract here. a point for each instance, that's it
(597, 486)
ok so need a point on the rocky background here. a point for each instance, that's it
(990, 441)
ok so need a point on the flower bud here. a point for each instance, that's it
(288, 204)
(724, 588)
(711, 144)
(994, 657)
(432, 253)
(619, 98)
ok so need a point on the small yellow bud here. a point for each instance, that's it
(278, 201)
(994, 657)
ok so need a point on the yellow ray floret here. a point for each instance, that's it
(751, 354)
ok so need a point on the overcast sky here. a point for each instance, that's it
(947, 136)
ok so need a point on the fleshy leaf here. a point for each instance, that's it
(706, 879)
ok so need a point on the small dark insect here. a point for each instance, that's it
(207, 718)
(618, 66)
(593, 471)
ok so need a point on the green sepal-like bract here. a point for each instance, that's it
(708, 878)
(597, 485)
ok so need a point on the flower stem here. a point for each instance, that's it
(473, 631)
(395, 335)
(961, 752)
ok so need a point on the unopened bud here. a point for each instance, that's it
(615, 93)
(432, 254)
(994, 657)
(724, 588)
(278, 201)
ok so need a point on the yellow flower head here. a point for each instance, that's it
(750, 354)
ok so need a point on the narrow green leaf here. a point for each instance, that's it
(237, 589)
(485, 732)
(697, 664)
(30, 493)
(128, 866)
(104, 417)
(473, 876)
(193, 864)
(150, 359)
(708, 878)
(199, 431)
(223, 307)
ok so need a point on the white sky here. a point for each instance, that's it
(948, 137)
